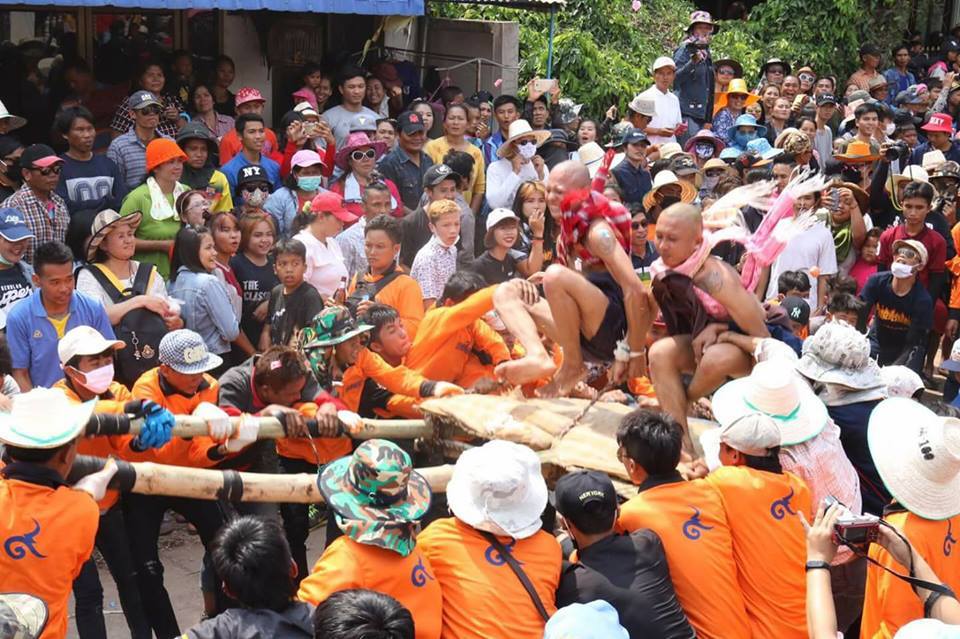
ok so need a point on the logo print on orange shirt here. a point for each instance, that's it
(493, 556)
(18, 545)
(419, 575)
(949, 540)
(693, 527)
(780, 507)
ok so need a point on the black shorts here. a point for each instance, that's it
(600, 347)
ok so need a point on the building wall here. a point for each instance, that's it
(240, 42)
(497, 41)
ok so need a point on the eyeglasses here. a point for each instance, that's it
(725, 71)
(639, 224)
(150, 110)
(50, 170)
(806, 77)
(358, 155)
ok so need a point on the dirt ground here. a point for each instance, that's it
(181, 553)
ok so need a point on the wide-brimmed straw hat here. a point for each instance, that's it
(105, 223)
(774, 390)
(358, 141)
(520, 129)
(498, 488)
(665, 178)
(43, 418)
(917, 454)
(736, 86)
(911, 173)
(377, 496)
(839, 354)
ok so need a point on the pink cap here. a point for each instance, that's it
(329, 202)
(306, 157)
(248, 94)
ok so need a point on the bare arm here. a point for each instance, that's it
(723, 284)
(22, 376)
(153, 245)
(822, 282)
(534, 262)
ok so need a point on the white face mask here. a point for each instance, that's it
(98, 380)
(889, 129)
(901, 270)
(527, 150)
(255, 198)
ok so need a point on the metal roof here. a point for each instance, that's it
(520, 4)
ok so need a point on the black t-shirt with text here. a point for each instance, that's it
(288, 314)
(14, 286)
(898, 322)
(256, 282)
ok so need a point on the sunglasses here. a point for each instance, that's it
(150, 110)
(358, 155)
(806, 78)
(250, 188)
(907, 253)
(726, 71)
(50, 170)
(642, 224)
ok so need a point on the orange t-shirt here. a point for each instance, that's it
(890, 602)
(329, 448)
(404, 295)
(482, 597)
(359, 391)
(690, 518)
(769, 546)
(410, 580)
(46, 535)
(230, 146)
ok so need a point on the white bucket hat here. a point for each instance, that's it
(839, 354)
(498, 488)
(774, 390)
(591, 156)
(16, 121)
(43, 418)
(917, 454)
(900, 381)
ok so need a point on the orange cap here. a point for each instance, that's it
(162, 150)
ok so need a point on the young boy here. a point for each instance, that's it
(253, 559)
(793, 284)
(844, 307)
(293, 303)
(437, 260)
(798, 312)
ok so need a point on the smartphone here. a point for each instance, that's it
(682, 128)
(310, 128)
(544, 86)
(835, 200)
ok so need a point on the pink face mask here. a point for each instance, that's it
(98, 380)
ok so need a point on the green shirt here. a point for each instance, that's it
(151, 229)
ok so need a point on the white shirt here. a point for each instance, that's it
(667, 113)
(88, 284)
(325, 267)
(813, 247)
(502, 182)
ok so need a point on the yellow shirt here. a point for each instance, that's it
(60, 325)
(438, 148)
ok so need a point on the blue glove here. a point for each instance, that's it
(157, 428)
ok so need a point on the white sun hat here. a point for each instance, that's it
(774, 390)
(498, 487)
(16, 121)
(840, 354)
(917, 454)
(928, 629)
(900, 381)
(43, 418)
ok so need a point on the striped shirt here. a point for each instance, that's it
(48, 220)
(130, 154)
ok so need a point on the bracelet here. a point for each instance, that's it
(817, 565)
(636, 354)
(537, 239)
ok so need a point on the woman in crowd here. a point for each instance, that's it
(253, 267)
(498, 263)
(151, 78)
(156, 199)
(425, 110)
(454, 138)
(301, 186)
(387, 133)
(200, 169)
(193, 208)
(206, 308)
(737, 98)
(777, 118)
(724, 72)
(203, 110)
(224, 99)
(303, 130)
(358, 159)
(768, 96)
(317, 227)
(518, 163)
(226, 239)
(530, 204)
(587, 131)
(377, 99)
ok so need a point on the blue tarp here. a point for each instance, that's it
(363, 7)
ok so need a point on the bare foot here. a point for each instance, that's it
(526, 369)
(564, 381)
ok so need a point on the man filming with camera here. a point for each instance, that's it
(694, 81)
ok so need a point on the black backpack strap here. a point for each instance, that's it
(142, 280)
(518, 571)
(115, 294)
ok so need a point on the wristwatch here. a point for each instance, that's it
(817, 565)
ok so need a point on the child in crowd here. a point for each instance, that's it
(844, 307)
(798, 312)
(293, 302)
(226, 238)
(193, 208)
(437, 260)
(254, 270)
(793, 283)
(501, 262)
(866, 264)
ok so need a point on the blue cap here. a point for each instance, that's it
(632, 136)
(13, 227)
(594, 620)
(142, 99)
(761, 146)
(748, 120)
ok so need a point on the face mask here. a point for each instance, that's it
(527, 150)
(900, 270)
(98, 380)
(4, 261)
(742, 138)
(704, 150)
(309, 183)
(255, 198)
(889, 129)
(710, 182)
(668, 200)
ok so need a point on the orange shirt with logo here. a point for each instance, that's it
(690, 519)
(890, 602)
(410, 580)
(769, 546)
(46, 535)
(482, 597)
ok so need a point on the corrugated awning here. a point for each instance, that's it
(520, 4)
(363, 7)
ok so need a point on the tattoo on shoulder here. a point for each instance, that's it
(711, 282)
(604, 242)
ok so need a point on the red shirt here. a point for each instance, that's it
(935, 244)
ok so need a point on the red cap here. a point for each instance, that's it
(329, 202)
(939, 122)
(248, 94)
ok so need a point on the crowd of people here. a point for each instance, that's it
(778, 256)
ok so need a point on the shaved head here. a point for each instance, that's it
(679, 233)
(685, 213)
(566, 177)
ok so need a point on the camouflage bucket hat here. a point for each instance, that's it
(376, 496)
(331, 326)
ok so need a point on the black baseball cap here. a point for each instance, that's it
(38, 156)
(252, 173)
(438, 173)
(826, 98)
(797, 309)
(409, 122)
(632, 136)
(584, 496)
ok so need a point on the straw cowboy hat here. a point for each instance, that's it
(774, 390)
(911, 173)
(737, 86)
(857, 152)
(591, 155)
(498, 488)
(839, 354)
(519, 129)
(917, 454)
(105, 223)
(377, 496)
(665, 178)
(43, 418)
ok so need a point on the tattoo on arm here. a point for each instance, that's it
(604, 242)
(712, 282)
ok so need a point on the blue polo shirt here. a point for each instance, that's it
(33, 339)
(232, 169)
